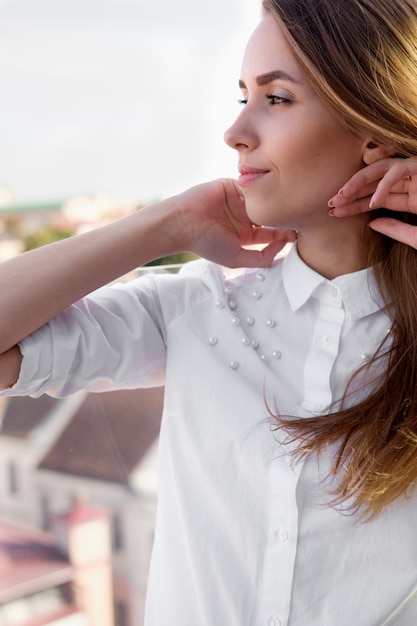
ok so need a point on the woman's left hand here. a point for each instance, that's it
(390, 183)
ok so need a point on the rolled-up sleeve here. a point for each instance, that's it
(112, 339)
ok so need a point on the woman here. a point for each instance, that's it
(288, 441)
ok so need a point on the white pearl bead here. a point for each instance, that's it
(245, 341)
(271, 323)
(234, 365)
(235, 321)
(256, 295)
(232, 305)
(255, 344)
(213, 341)
(219, 304)
(250, 321)
(276, 354)
(260, 276)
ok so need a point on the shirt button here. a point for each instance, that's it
(333, 291)
(274, 621)
(328, 339)
(283, 534)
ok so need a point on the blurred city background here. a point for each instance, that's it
(107, 105)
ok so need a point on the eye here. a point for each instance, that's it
(277, 100)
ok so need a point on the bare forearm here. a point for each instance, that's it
(38, 285)
(209, 220)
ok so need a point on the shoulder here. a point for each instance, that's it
(215, 279)
(209, 273)
(202, 282)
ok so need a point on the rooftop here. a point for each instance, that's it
(23, 414)
(108, 436)
(29, 562)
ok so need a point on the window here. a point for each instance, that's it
(12, 478)
(45, 513)
(120, 614)
(117, 533)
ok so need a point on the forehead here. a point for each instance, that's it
(267, 50)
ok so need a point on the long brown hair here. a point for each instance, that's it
(361, 58)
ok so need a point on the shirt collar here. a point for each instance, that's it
(359, 291)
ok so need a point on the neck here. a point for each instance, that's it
(337, 249)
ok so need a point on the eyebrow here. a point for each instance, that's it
(269, 77)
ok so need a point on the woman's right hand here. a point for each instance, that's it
(209, 220)
(213, 224)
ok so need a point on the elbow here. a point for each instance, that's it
(10, 363)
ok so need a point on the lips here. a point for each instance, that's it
(250, 174)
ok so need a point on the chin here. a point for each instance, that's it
(261, 216)
(262, 212)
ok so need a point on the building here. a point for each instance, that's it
(89, 450)
(61, 578)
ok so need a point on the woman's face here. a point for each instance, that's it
(293, 153)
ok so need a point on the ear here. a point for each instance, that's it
(374, 151)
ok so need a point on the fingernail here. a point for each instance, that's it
(331, 202)
(340, 192)
(331, 213)
(372, 203)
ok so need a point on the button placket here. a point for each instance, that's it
(281, 546)
(322, 354)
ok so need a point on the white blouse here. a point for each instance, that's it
(244, 536)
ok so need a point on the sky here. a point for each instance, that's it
(125, 97)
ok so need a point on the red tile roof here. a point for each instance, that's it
(29, 562)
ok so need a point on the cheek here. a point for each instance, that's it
(325, 160)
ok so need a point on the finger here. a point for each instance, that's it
(237, 194)
(394, 202)
(366, 177)
(258, 258)
(268, 235)
(341, 199)
(351, 208)
(380, 178)
(394, 181)
(405, 233)
(398, 202)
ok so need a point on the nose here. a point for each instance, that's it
(241, 135)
